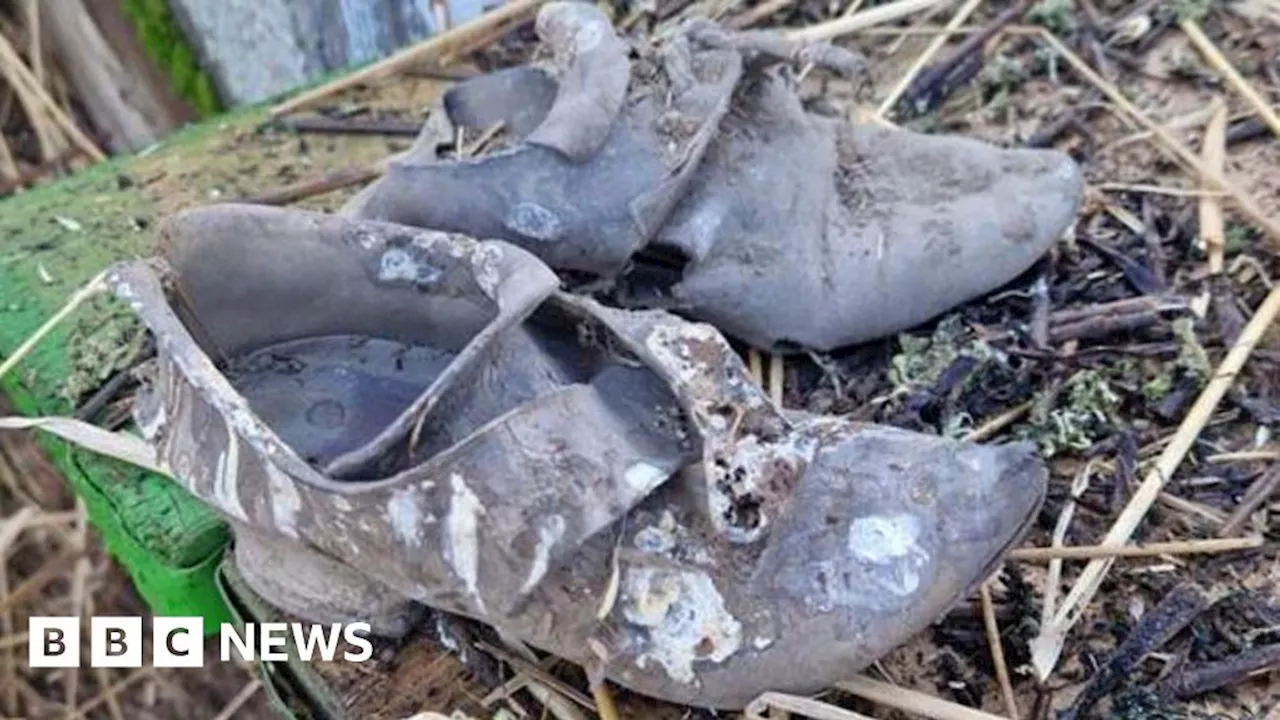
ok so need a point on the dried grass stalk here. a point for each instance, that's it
(1053, 578)
(1214, 154)
(879, 15)
(755, 366)
(456, 41)
(777, 378)
(1177, 547)
(557, 705)
(237, 702)
(961, 16)
(1158, 190)
(1166, 141)
(118, 445)
(758, 13)
(1233, 77)
(82, 712)
(911, 701)
(1258, 493)
(37, 38)
(23, 80)
(1047, 646)
(8, 167)
(606, 708)
(779, 704)
(12, 68)
(93, 287)
(992, 427)
(997, 651)
(1211, 515)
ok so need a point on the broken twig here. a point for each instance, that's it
(997, 651)
(1176, 610)
(992, 427)
(938, 82)
(1258, 493)
(1188, 682)
(333, 126)
(1179, 547)
(327, 183)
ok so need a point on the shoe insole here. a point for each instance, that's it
(325, 396)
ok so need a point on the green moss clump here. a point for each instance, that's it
(166, 45)
(922, 360)
(1075, 418)
(1192, 357)
(1058, 16)
(101, 344)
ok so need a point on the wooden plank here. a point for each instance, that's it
(127, 98)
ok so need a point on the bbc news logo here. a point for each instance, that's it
(177, 642)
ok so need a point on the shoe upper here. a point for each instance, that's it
(604, 484)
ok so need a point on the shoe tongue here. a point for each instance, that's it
(518, 98)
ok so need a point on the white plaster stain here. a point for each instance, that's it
(396, 264)
(587, 38)
(642, 478)
(151, 426)
(463, 526)
(226, 486)
(405, 517)
(286, 503)
(484, 267)
(548, 535)
(685, 616)
(654, 539)
(534, 221)
(890, 542)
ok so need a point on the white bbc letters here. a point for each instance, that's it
(53, 642)
(177, 642)
(115, 642)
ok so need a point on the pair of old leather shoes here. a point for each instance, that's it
(398, 406)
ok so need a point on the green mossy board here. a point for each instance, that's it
(53, 240)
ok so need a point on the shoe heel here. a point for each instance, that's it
(316, 588)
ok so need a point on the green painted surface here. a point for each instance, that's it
(57, 237)
(52, 241)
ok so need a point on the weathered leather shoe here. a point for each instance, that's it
(585, 185)
(389, 416)
(695, 178)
